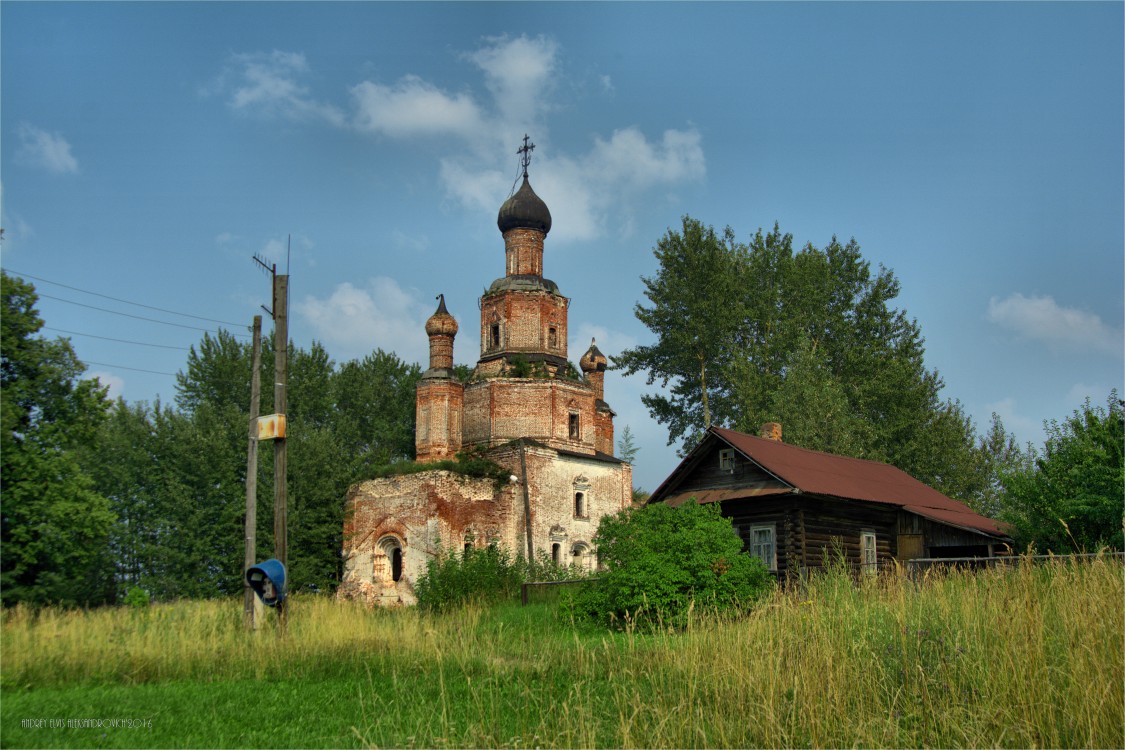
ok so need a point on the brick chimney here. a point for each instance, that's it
(770, 431)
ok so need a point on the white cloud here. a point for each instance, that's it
(475, 188)
(414, 107)
(49, 151)
(354, 321)
(629, 158)
(269, 83)
(414, 244)
(519, 74)
(115, 384)
(1043, 319)
(15, 228)
(1014, 422)
(1079, 392)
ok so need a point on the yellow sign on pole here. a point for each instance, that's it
(271, 427)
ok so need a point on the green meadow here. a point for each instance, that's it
(1030, 656)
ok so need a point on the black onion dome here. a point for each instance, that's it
(524, 210)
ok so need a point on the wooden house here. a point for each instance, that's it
(796, 508)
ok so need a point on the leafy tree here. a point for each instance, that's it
(998, 455)
(321, 466)
(696, 311)
(661, 561)
(810, 339)
(375, 398)
(831, 426)
(627, 447)
(54, 524)
(123, 463)
(217, 373)
(1067, 498)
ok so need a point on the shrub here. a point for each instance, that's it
(482, 576)
(136, 597)
(662, 561)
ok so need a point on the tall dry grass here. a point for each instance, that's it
(1030, 656)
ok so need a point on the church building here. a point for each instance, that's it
(525, 407)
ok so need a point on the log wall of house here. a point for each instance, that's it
(811, 530)
(749, 512)
(834, 526)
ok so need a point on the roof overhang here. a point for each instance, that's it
(717, 496)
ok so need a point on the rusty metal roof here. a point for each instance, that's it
(826, 474)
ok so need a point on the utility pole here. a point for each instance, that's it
(280, 315)
(281, 372)
(250, 604)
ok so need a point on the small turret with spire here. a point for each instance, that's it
(441, 328)
(440, 398)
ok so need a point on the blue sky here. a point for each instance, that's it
(149, 149)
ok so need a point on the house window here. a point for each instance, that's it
(726, 460)
(552, 338)
(580, 504)
(575, 433)
(556, 550)
(869, 559)
(762, 544)
(494, 336)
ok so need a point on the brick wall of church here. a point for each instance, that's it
(502, 409)
(423, 514)
(525, 320)
(438, 419)
(523, 251)
(554, 480)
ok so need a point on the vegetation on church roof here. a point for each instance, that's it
(519, 366)
(469, 463)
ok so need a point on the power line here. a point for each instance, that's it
(123, 367)
(125, 301)
(137, 317)
(123, 341)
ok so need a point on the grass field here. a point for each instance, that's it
(1026, 657)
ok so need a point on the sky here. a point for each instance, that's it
(149, 150)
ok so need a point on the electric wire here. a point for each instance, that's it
(137, 317)
(124, 301)
(123, 367)
(122, 341)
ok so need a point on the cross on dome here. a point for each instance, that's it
(525, 153)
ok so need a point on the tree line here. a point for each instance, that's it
(103, 496)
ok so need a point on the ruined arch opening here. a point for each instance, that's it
(391, 549)
(581, 554)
